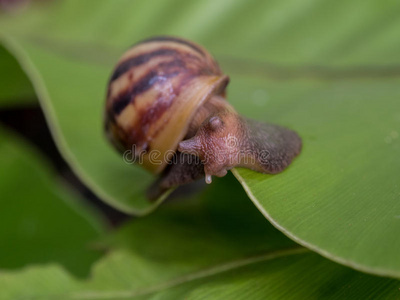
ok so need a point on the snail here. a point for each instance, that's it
(166, 103)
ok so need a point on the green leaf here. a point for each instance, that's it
(317, 67)
(341, 196)
(202, 250)
(15, 87)
(41, 222)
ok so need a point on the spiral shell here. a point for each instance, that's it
(154, 93)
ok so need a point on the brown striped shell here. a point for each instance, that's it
(154, 93)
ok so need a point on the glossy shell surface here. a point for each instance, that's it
(153, 94)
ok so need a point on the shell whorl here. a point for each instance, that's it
(154, 93)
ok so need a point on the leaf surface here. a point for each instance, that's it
(41, 221)
(202, 250)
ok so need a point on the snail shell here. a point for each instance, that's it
(154, 93)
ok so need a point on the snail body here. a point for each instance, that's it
(166, 96)
(227, 140)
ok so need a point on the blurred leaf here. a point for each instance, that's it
(317, 67)
(15, 87)
(40, 221)
(202, 250)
